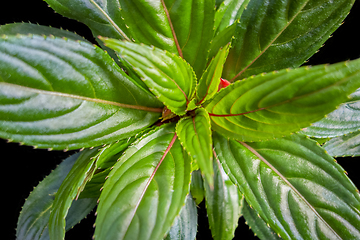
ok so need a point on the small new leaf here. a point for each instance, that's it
(209, 81)
(168, 76)
(194, 133)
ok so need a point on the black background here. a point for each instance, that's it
(22, 167)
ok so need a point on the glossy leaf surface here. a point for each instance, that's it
(299, 190)
(222, 205)
(185, 225)
(103, 17)
(276, 104)
(344, 120)
(146, 189)
(61, 94)
(168, 76)
(228, 14)
(105, 160)
(209, 81)
(347, 145)
(277, 34)
(257, 225)
(194, 133)
(81, 172)
(33, 222)
(193, 26)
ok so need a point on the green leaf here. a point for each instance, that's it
(347, 145)
(228, 14)
(106, 159)
(276, 104)
(146, 189)
(103, 18)
(256, 224)
(210, 80)
(193, 28)
(34, 217)
(168, 76)
(222, 205)
(81, 172)
(299, 190)
(197, 187)
(277, 34)
(194, 133)
(185, 225)
(344, 120)
(64, 94)
(29, 28)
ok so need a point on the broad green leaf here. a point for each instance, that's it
(273, 105)
(222, 205)
(185, 225)
(102, 17)
(81, 172)
(299, 190)
(146, 189)
(209, 81)
(257, 225)
(278, 34)
(347, 145)
(194, 133)
(65, 94)
(193, 26)
(197, 187)
(344, 120)
(34, 217)
(168, 76)
(29, 28)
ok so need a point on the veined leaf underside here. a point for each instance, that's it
(290, 185)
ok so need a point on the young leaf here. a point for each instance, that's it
(257, 225)
(299, 190)
(81, 172)
(344, 120)
(193, 28)
(64, 94)
(277, 34)
(34, 217)
(222, 205)
(347, 145)
(168, 76)
(209, 81)
(279, 103)
(146, 189)
(185, 225)
(194, 133)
